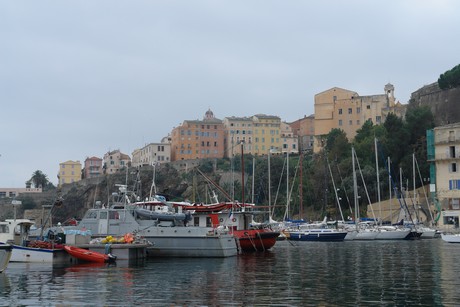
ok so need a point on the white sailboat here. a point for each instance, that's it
(364, 230)
(386, 232)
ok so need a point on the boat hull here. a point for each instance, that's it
(86, 255)
(451, 238)
(392, 235)
(318, 236)
(43, 255)
(255, 240)
(5, 255)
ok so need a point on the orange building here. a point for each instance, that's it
(198, 139)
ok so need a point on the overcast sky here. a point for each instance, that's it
(80, 78)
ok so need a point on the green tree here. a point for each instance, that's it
(337, 145)
(397, 140)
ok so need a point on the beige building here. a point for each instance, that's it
(152, 153)
(347, 110)
(69, 172)
(13, 192)
(114, 161)
(446, 184)
(289, 140)
(237, 130)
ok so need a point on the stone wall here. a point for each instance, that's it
(444, 104)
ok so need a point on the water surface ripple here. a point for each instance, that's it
(372, 273)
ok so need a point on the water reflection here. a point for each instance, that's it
(384, 273)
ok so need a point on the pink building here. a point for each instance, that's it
(92, 167)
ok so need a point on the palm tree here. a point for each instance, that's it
(39, 179)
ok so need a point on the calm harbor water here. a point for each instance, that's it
(373, 273)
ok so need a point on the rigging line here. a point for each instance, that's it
(424, 192)
(365, 187)
(279, 183)
(344, 189)
(214, 184)
(335, 189)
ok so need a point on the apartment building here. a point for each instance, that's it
(152, 153)
(347, 110)
(304, 130)
(444, 155)
(289, 140)
(198, 139)
(114, 161)
(266, 133)
(237, 130)
(69, 172)
(92, 167)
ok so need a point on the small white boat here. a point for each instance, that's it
(5, 255)
(15, 232)
(451, 238)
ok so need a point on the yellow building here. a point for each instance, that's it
(266, 133)
(347, 110)
(69, 172)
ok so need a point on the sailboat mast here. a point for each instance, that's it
(242, 173)
(300, 187)
(389, 188)
(287, 184)
(378, 178)
(269, 186)
(253, 172)
(355, 187)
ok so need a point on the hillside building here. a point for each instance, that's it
(198, 139)
(114, 161)
(69, 172)
(304, 130)
(92, 167)
(444, 154)
(347, 110)
(153, 153)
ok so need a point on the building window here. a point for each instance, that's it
(350, 122)
(340, 111)
(368, 107)
(358, 110)
(340, 122)
(378, 119)
(350, 110)
(357, 122)
(453, 167)
(454, 184)
(451, 151)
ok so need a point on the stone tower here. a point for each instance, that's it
(390, 93)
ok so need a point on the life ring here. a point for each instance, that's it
(221, 220)
(233, 219)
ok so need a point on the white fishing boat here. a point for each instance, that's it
(5, 255)
(15, 232)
